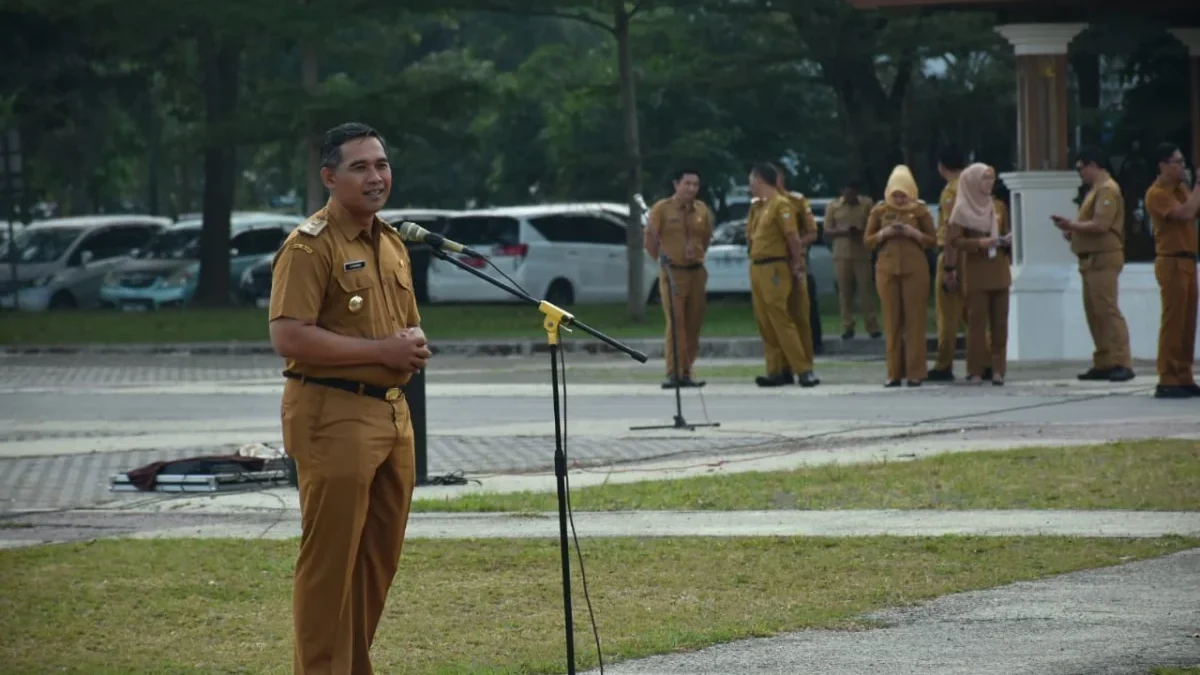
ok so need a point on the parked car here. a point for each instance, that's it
(564, 253)
(165, 272)
(61, 262)
(254, 286)
(728, 260)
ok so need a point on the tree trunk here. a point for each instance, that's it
(633, 164)
(153, 155)
(314, 189)
(221, 59)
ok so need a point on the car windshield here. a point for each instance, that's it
(41, 244)
(181, 243)
(484, 231)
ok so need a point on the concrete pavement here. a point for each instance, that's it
(1115, 621)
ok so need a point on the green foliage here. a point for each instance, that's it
(500, 101)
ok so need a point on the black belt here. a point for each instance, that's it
(1085, 256)
(1189, 256)
(381, 393)
(768, 261)
(694, 266)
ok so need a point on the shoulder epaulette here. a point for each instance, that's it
(313, 226)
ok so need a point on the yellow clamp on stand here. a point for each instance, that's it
(556, 317)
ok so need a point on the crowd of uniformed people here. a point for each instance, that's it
(892, 239)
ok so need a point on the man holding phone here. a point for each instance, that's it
(1097, 238)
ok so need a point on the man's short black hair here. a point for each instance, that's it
(1090, 154)
(854, 184)
(1163, 153)
(680, 173)
(335, 138)
(767, 172)
(952, 157)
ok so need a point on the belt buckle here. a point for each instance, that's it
(392, 394)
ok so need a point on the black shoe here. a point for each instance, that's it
(1193, 389)
(687, 381)
(941, 376)
(876, 335)
(1120, 374)
(808, 379)
(987, 373)
(848, 335)
(1095, 375)
(1171, 391)
(781, 380)
(671, 382)
(891, 384)
(913, 383)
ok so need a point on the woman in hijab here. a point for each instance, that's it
(900, 229)
(977, 227)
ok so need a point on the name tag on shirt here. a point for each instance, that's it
(354, 265)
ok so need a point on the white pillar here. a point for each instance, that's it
(1046, 319)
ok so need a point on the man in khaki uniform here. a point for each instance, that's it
(681, 228)
(1097, 238)
(344, 316)
(800, 301)
(776, 269)
(950, 302)
(1172, 209)
(845, 223)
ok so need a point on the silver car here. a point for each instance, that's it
(61, 263)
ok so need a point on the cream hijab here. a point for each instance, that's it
(901, 180)
(974, 208)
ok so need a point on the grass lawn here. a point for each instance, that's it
(725, 318)
(1153, 475)
(489, 606)
(1169, 670)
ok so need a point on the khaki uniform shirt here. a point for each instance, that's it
(980, 272)
(1103, 205)
(331, 273)
(1171, 236)
(900, 254)
(679, 226)
(772, 222)
(845, 224)
(945, 206)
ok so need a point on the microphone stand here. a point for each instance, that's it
(555, 319)
(665, 263)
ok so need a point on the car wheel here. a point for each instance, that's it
(560, 293)
(63, 300)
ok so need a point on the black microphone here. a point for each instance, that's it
(415, 233)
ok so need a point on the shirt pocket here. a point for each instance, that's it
(356, 302)
(404, 297)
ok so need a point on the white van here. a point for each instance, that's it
(563, 253)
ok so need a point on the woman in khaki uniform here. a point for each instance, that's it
(979, 230)
(900, 229)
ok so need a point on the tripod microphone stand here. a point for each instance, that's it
(665, 263)
(555, 319)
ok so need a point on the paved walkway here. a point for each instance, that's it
(285, 523)
(1115, 621)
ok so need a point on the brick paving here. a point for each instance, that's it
(69, 481)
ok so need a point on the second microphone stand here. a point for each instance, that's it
(555, 318)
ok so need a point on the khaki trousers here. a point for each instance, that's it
(951, 314)
(771, 291)
(1177, 331)
(800, 309)
(987, 312)
(904, 299)
(1110, 333)
(854, 278)
(356, 471)
(689, 306)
